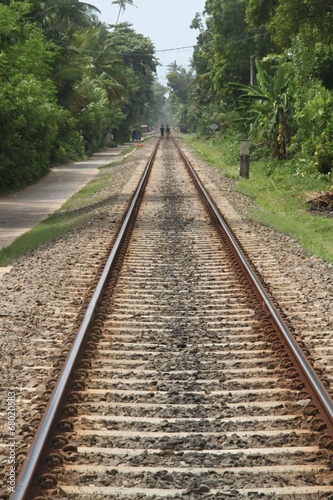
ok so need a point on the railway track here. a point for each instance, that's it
(184, 389)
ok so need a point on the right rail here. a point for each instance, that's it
(307, 375)
(179, 391)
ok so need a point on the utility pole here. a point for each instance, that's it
(251, 70)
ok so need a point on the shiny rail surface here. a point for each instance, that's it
(35, 453)
(314, 386)
(303, 374)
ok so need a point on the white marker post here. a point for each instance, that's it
(244, 168)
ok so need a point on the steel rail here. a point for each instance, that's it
(318, 389)
(27, 475)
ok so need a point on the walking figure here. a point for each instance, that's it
(167, 131)
(162, 131)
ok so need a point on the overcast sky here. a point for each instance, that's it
(165, 22)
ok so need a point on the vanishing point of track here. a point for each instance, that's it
(183, 380)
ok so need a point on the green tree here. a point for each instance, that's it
(291, 16)
(29, 113)
(98, 74)
(153, 112)
(66, 81)
(224, 52)
(59, 19)
(135, 53)
(179, 83)
(259, 13)
(204, 103)
(122, 6)
(62, 21)
(302, 29)
(232, 45)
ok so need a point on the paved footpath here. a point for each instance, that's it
(21, 211)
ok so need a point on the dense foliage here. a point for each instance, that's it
(28, 108)
(69, 84)
(265, 68)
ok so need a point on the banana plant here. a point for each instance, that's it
(269, 109)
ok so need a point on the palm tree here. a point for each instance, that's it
(60, 18)
(62, 22)
(122, 6)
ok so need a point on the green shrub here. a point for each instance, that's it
(29, 113)
(324, 150)
(68, 145)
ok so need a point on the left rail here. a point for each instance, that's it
(37, 451)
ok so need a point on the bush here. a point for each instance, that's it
(68, 145)
(324, 154)
(95, 119)
(324, 150)
(28, 129)
(29, 113)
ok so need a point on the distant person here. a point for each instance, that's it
(162, 131)
(167, 131)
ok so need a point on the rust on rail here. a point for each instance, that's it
(31, 467)
(321, 398)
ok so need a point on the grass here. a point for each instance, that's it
(281, 190)
(72, 214)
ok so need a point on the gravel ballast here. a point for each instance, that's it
(42, 294)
